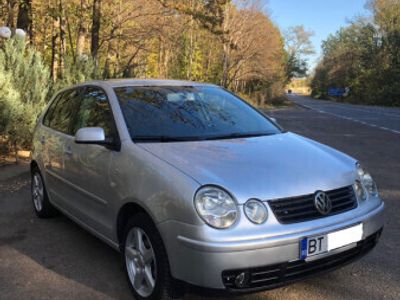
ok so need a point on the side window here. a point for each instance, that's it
(65, 111)
(49, 114)
(95, 111)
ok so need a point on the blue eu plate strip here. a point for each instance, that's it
(303, 247)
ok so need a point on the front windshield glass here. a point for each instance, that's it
(180, 113)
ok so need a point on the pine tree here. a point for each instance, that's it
(24, 88)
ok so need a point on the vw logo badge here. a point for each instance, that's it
(322, 203)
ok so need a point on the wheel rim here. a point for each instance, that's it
(140, 262)
(37, 191)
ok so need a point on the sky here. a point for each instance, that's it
(323, 17)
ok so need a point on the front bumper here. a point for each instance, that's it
(211, 264)
(273, 276)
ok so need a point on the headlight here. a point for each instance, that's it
(367, 181)
(359, 190)
(255, 211)
(216, 207)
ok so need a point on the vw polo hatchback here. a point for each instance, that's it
(197, 188)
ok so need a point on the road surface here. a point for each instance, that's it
(56, 259)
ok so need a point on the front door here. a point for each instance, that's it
(88, 168)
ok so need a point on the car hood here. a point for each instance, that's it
(267, 167)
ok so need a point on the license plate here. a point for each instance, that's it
(317, 245)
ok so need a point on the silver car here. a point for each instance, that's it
(197, 188)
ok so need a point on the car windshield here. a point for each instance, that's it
(186, 113)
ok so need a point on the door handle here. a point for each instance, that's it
(68, 150)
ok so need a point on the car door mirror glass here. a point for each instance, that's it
(90, 135)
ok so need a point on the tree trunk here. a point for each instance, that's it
(10, 15)
(71, 44)
(189, 70)
(159, 57)
(80, 43)
(24, 18)
(166, 62)
(54, 60)
(82, 30)
(107, 64)
(225, 66)
(226, 48)
(95, 28)
(63, 42)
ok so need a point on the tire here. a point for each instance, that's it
(40, 199)
(148, 262)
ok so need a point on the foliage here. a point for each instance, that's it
(365, 57)
(80, 70)
(216, 41)
(24, 85)
(298, 47)
(209, 13)
(231, 43)
(8, 96)
(300, 85)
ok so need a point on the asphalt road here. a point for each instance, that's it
(56, 259)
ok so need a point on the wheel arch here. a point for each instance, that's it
(33, 165)
(125, 212)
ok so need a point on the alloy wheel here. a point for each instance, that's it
(140, 261)
(37, 192)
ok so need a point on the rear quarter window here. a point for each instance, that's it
(49, 113)
(62, 111)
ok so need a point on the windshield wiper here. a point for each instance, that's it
(239, 135)
(162, 138)
(167, 138)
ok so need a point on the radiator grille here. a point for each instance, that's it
(302, 208)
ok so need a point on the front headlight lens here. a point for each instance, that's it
(255, 211)
(359, 190)
(216, 207)
(367, 181)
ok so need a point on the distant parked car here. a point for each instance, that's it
(194, 186)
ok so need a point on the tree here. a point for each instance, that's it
(11, 5)
(24, 88)
(230, 43)
(364, 56)
(209, 13)
(95, 28)
(386, 17)
(82, 28)
(298, 47)
(24, 18)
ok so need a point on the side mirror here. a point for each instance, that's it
(90, 135)
(273, 120)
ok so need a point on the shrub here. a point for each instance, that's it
(24, 88)
(80, 70)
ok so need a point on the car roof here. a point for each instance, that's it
(146, 82)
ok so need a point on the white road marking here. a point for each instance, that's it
(365, 109)
(350, 119)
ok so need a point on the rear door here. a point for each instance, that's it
(44, 135)
(57, 134)
(88, 166)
